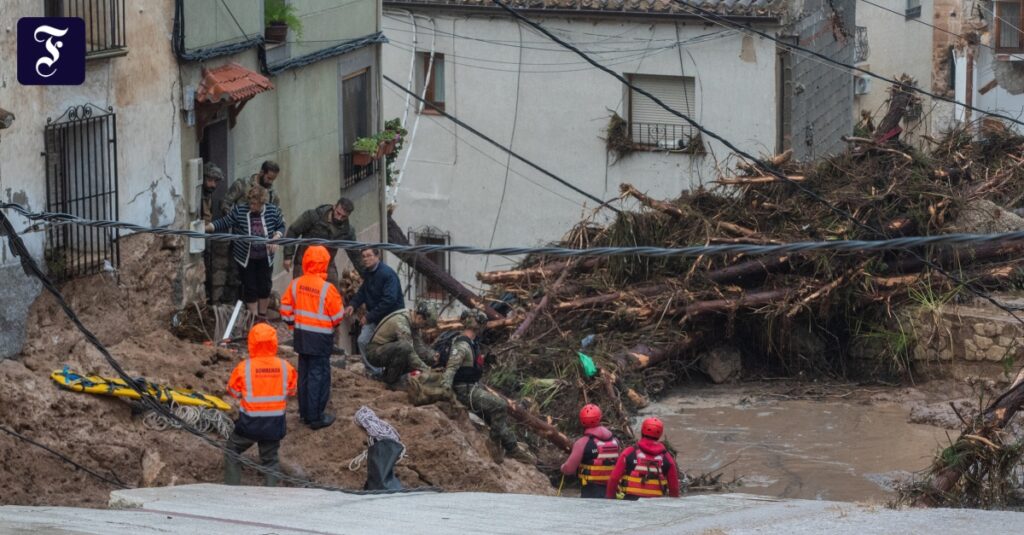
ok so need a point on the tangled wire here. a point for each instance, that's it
(205, 419)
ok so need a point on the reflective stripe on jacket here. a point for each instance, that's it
(313, 306)
(598, 461)
(647, 478)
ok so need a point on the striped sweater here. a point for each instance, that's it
(237, 221)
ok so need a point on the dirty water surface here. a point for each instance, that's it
(799, 448)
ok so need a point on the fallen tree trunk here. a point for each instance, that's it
(750, 180)
(759, 267)
(775, 161)
(612, 297)
(429, 269)
(541, 427)
(643, 356)
(748, 300)
(443, 326)
(544, 271)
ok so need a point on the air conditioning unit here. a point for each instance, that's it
(861, 85)
(672, 144)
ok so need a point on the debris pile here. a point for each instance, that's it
(657, 319)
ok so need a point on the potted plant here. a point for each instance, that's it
(393, 135)
(386, 139)
(279, 17)
(365, 150)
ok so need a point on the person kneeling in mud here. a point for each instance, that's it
(463, 369)
(396, 345)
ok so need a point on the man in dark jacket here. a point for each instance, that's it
(328, 222)
(381, 292)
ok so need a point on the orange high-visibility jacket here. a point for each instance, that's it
(263, 382)
(313, 306)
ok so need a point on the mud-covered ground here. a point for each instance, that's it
(132, 316)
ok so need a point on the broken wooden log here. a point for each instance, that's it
(628, 190)
(760, 179)
(758, 267)
(429, 269)
(901, 98)
(541, 272)
(643, 356)
(543, 428)
(775, 161)
(532, 315)
(747, 300)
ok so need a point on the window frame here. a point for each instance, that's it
(689, 133)
(913, 10)
(423, 60)
(113, 33)
(997, 9)
(426, 288)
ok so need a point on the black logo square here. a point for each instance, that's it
(51, 51)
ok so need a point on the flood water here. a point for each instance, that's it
(824, 450)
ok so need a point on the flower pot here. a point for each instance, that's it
(389, 147)
(361, 159)
(275, 32)
(380, 149)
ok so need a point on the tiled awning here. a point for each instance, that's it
(231, 83)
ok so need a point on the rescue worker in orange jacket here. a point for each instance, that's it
(593, 455)
(313, 308)
(262, 384)
(646, 470)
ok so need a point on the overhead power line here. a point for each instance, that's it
(486, 138)
(748, 29)
(766, 166)
(908, 243)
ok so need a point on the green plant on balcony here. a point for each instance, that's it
(279, 16)
(365, 150)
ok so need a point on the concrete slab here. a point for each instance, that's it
(209, 508)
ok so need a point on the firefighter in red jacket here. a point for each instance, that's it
(593, 455)
(646, 470)
(262, 384)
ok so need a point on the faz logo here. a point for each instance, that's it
(51, 51)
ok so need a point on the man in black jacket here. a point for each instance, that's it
(381, 292)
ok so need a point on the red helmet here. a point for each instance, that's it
(590, 415)
(652, 428)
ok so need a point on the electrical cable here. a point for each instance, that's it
(907, 243)
(483, 136)
(771, 169)
(31, 268)
(63, 457)
(790, 46)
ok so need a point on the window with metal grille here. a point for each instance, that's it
(653, 126)
(1009, 19)
(104, 23)
(425, 287)
(434, 84)
(81, 180)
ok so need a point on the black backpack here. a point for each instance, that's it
(465, 374)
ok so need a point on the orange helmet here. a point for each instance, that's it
(590, 415)
(652, 428)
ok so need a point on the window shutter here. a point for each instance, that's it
(676, 92)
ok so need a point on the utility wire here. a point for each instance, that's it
(748, 29)
(908, 243)
(771, 169)
(483, 136)
(63, 457)
(31, 268)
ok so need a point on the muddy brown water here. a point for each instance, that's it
(826, 450)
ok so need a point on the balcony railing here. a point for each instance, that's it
(352, 174)
(662, 136)
(104, 23)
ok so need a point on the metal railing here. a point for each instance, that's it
(662, 136)
(352, 174)
(860, 45)
(81, 180)
(104, 22)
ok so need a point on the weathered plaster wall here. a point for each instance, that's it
(141, 87)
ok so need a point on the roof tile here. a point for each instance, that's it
(231, 83)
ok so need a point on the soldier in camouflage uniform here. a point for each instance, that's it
(238, 191)
(462, 373)
(328, 222)
(396, 345)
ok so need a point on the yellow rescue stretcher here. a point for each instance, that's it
(94, 384)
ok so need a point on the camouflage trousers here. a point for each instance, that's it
(396, 358)
(489, 407)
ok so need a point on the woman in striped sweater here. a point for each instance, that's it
(255, 261)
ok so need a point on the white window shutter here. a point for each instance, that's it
(649, 122)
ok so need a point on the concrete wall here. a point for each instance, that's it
(142, 89)
(899, 45)
(551, 107)
(822, 92)
(212, 23)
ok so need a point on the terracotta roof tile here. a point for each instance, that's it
(744, 8)
(231, 83)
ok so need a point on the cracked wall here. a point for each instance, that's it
(141, 88)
